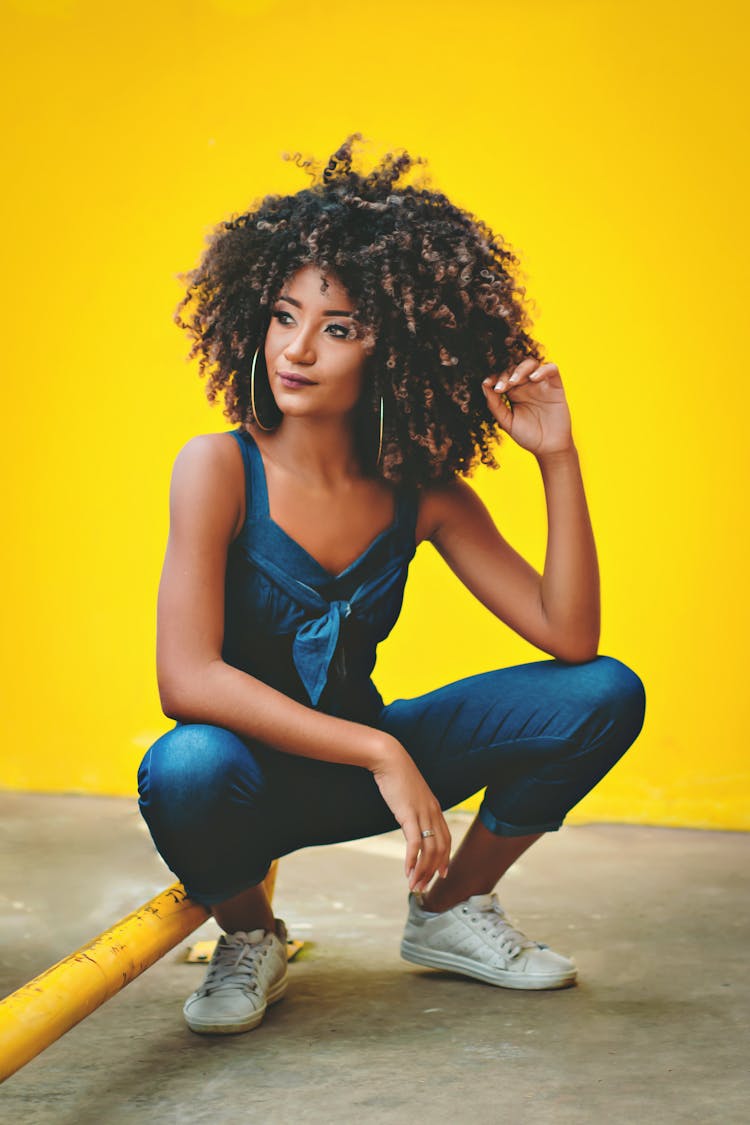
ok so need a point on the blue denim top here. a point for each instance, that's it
(296, 626)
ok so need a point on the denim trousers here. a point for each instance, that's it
(221, 807)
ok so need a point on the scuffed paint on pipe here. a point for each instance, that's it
(41, 1011)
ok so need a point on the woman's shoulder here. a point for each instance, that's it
(217, 457)
(209, 470)
(438, 503)
(209, 448)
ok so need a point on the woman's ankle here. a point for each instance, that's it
(249, 910)
(436, 900)
(435, 903)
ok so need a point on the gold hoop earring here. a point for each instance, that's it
(252, 394)
(380, 437)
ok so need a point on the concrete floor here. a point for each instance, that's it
(655, 1031)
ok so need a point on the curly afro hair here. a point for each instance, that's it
(437, 300)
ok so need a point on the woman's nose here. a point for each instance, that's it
(300, 349)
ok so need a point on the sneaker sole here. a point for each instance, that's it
(275, 993)
(434, 959)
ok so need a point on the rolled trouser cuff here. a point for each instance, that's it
(502, 828)
(210, 898)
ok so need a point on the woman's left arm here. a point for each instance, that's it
(570, 583)
(558, 611)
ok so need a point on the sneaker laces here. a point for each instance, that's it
(487, 910)
(234, 964)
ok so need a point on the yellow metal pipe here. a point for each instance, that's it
(49, 1005)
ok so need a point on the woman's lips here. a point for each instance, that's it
(293, 380)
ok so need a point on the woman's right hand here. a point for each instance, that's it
(416, 808)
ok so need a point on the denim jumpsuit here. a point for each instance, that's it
(221, 807)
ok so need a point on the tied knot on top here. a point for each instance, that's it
(314, 645)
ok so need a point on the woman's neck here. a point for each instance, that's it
(320, 450)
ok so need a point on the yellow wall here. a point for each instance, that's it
(603, 139)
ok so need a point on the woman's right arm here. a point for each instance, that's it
(197, 686)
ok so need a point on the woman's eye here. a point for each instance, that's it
(339, 331)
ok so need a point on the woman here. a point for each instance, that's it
(370, 343)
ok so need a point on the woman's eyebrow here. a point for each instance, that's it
(328, 312)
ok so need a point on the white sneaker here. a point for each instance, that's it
(475, 938)
(248, 971)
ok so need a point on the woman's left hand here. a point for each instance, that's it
(539, 420)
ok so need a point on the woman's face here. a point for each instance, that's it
(308, 337)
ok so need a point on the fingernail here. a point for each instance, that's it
(500, 384)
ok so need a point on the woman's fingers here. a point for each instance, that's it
(521, 373)
(502, 396)
(445, 850)
(410, 830)
(427, 855)
(499, 406)
(512, 376)
(530, 371)
(424, 865)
